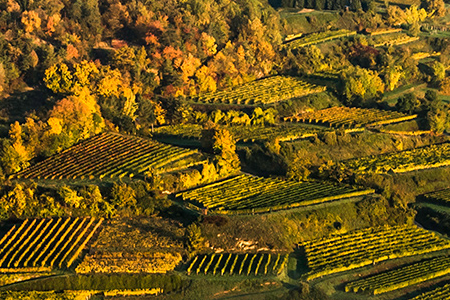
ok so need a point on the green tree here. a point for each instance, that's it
(123, 196)
(360, 85)
(407, 103)
(195, 238)
(221, 143)
(438, 71)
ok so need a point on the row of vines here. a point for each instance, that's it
(402, 277)
(368, 246)
(43, 243)
(433, 156)
(241, 132)
(350, 117)
(238, 264)
(110, 155)
(247, 194)
(264, 91)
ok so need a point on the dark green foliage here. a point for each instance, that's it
(195, 238)
(305, 292)
(433, 219)
(168, 283)
(407, 103)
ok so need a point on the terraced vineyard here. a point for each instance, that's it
(320, 37)
(440, 293)
(439, 197)
(241, 132)
(37, 243)
(392, 40)
(248, 194)
(360, 248)
(238, 264)
(350, 117)
(111, 155)
(264, 91)
(385, 31)
(432, 156)
(403, 277)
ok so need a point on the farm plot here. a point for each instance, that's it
(248, 194)
(350, 117)
(264, 91)
(316, 38)
(360, 248)
(111, 155)
(241, 132)
(440, 293)
(403, 277)
(258, 264)
(432, 156)
(40, 243)
(395, 39)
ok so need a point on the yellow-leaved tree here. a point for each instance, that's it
(72, 119)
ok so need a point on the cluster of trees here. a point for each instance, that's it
(21, 200)
(124, 65)
(326, 4)
(175, 47)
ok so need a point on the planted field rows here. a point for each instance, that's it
(432, 156)
(320, 37)
(403, 277)
(238, 264)
(395, 39)
(364, 247)
(441, 197)
(247, 194)
(46, 242)
(110, 155)
(440, 293)
(241, 132)
(350, 117)
(264, 91)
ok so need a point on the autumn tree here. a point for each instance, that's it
(31, 21)
(392, 76)
(221, 143)
(435, 8)
(438, 70)
(194, 238)
(123, 196)
(360, 85)
(407, 103)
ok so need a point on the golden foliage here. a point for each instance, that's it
(118, 262)
(31, 20)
